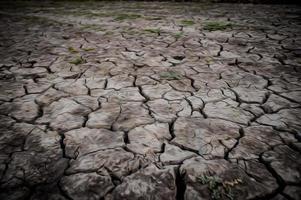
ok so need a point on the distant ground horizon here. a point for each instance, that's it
(181, 1)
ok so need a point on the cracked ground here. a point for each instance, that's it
(150, 101)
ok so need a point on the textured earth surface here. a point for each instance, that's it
(150, 101)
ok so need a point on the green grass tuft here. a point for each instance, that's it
(187, 22)
(154, 18)
(153, 30)
(125, 16)
(217, 26)
(72, 50)
(93, 27)
(78, 61)
(88, 49)
(209, 60)
(170, 75)
(218, 188)
(178, 35)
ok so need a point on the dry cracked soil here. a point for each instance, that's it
(135, 100)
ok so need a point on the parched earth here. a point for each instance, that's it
(154, 101)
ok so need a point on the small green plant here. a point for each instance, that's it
(154, 18)
(170, 75)
(219, 189)
(155, 30)
(215, 26)
(124, 16)
(178, 35)
(72, 50)
(130, 31)
(93, 27)
(210, 180)
(208, 60)
(78, 61)
(88, 49)
(187, 22)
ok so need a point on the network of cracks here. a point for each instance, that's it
(132, 100)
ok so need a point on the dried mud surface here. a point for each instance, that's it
(150, 101)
